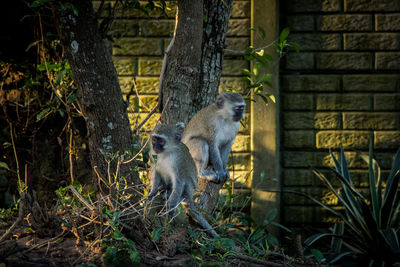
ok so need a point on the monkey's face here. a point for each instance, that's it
(238, 111)
(158, 143)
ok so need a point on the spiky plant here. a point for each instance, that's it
(369, 226)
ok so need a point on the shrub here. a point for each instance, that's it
(369, 223)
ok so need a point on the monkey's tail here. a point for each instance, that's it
(196, 215)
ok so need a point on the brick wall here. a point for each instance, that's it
(342, 87)
(139, 53)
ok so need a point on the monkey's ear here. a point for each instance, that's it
(178, 137)
(220, 102)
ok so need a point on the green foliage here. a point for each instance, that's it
(258, 82)
(258, 239)
(8, 213)
(119, 250)
(68, 201)
(369, 224)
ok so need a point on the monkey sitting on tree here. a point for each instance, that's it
(175, 172)
(209, 135)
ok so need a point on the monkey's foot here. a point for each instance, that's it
(226, 175)
(217, 177)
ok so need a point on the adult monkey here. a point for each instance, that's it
(209, 135)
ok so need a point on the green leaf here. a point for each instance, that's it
(344, 170)
(389, 208)
(336, 243)
(134, 256)
(256, 68)
(257, 235)
(117, 235)
(314, 238)
(260, 53)
(295, 45)
(281, 226)
(43, 113)
(271, 215)
(60, 75)
(264, 98)
(353, 214)
(38, 3)
(262, 32)
(226, 243)
(71, 6)
(272, 97)
(392, 181)
(262, 175)
(4, 165)
(391, 239)
(156, 234)
(317, 254)
(31, 45)
(284, 34)
(372, 185)
(73, 97)
(246, 71)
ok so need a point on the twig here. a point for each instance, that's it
(45, 63)
(240, 52)
(19, 219)
(15, 154)
(100, 10)
(164, 65)
(46, 242)
(79, 196)
(71, 153)
(146, 118)
(255, 260)
(91, 245)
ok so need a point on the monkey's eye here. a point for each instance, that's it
(239, 108)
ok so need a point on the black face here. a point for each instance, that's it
(158, 144)
(238, 112)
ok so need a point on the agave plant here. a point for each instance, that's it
(369, 226)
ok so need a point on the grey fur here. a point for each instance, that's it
(209, 136)
(175, 171)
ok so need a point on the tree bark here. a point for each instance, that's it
(214, 37)
(193, 69)
(97, 82)
(180, 77)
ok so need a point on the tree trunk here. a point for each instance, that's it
(217, 14)
(97, 82)
(180, 77)
(214, 36)
(193, 69)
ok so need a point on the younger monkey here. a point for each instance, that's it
(209, 135)
(175, 172)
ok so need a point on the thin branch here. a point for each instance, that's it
(15, 155)
(80, 197)
(255, 260)
(19, 219)
(71, 154)
(164, 65)
(146, 118)
(46, 242)
(100, 10)
(240, 52)
(141, 149)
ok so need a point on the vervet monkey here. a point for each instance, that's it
(209, 135)
(174, 171)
